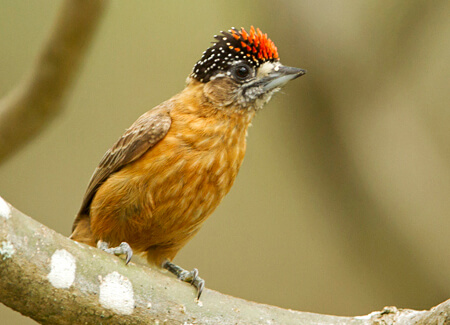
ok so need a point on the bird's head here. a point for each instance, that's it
(242, 70)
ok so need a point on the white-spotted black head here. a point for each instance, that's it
(242, 68)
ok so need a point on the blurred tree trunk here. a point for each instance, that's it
(29, 108)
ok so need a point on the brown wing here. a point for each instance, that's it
(148, 130)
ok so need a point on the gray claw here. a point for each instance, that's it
(194, 275)
(193, 278)
(186, 276)
(127, 251)
(123, 249)
(198, 283)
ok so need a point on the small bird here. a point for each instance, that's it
(154, 188)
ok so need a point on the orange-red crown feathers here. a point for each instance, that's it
(254, 48)
(256, 42)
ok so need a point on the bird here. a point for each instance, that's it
(155, 187)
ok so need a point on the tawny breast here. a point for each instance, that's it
(158, 202)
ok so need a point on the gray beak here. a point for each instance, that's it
(280, 77)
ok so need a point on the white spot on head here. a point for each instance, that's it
(7, 249)
(266, 68)
(5, 210)
(116, 293)
(62, 269)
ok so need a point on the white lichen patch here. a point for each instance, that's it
(116, 293)
(7, 249)
(5, 210)
(62, 269)
(369, 316)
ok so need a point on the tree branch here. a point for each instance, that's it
(29, 107)
(55, 280)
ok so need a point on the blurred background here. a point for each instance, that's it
(342, 204)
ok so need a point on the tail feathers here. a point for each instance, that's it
(81, 231)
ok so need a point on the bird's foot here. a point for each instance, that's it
(186, 276)
(122, 249)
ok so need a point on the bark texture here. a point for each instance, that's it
(54, 280)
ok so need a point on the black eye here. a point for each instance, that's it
(242, 71)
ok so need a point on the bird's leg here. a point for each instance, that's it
(186, 276)
(122, 249)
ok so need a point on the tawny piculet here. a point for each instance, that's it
(159, 182)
